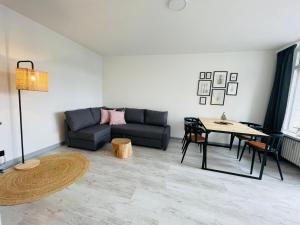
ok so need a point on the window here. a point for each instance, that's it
(292, 117)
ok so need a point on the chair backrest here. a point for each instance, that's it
(275, 141)
(194, 129)
(252, 125)
(190, 120)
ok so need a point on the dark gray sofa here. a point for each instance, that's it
(144, 127)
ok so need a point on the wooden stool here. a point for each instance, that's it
(122, 147)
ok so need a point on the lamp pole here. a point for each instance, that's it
(21, 126)
(20, 109)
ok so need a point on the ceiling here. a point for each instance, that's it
(119, 27)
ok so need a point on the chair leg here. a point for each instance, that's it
(242, 152)
(266, 162)
(183, 146)
(263, 165)
(184, 139)
(184, 151)
(183, 142)
(252, 163)
(259, 156)
(249, 148)
(238, 151)
(200, 148)
(278, 164)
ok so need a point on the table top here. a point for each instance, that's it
(120, 141)
(230, 127)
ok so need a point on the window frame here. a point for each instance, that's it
(295, 80)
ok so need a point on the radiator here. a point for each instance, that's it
(291, 150)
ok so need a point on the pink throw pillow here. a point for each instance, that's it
(105, 116)
(117, 118)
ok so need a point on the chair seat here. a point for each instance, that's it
(257, 144)
(200, 139)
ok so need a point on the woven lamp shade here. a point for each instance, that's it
(30, 80)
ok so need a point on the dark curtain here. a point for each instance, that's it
(280, 91)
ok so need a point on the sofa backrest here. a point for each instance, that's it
(79, 119)
(134, 115)
(156, 118)
(82, 118)
(109, 108)
(96, 113)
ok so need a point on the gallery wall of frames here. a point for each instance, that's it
(214, 86)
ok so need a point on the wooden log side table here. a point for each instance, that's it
(121, 147)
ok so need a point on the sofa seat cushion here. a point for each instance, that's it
(93, 133)
(79, 119)
(138, 130)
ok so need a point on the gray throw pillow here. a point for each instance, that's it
(134, 115)
(157, 118)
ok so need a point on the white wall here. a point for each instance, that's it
(169, 82)
(75, 81)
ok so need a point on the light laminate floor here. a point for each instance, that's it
(153, 188)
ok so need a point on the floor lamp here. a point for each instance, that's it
(30, 80)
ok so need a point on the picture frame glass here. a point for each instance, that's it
(220, 79)
(232, 88)
(233, 76)
(202, 75)
(218, 97)
(202, 101)
(204, 88)
(208, 75)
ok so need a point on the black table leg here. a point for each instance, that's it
(204, 158)
(238, 151)
(253, 159)
(231, 140)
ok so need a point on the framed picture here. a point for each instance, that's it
(220, 79)
(217, 97)
(204, 88)
(208, 75)
(233, 77)
(202, 75)
(202, 101)
(232, 88)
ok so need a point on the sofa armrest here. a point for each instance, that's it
(67, 129)
(166, 137)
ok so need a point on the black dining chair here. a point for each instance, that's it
(188, 121)
(267, 145)
(242, 137)
(194, 135)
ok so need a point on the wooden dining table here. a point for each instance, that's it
(232, 128)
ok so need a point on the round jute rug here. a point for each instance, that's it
(54, 173)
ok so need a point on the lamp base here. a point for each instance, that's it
(28, 165)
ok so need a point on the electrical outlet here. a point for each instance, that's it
(2, 158)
